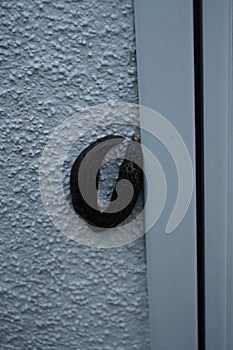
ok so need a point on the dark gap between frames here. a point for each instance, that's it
(199, 145)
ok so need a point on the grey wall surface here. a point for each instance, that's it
(58, 57)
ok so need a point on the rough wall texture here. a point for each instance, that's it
(56, 58)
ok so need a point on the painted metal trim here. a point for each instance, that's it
(165, 57)
(217, 39)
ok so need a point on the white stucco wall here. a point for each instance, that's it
(58, 57)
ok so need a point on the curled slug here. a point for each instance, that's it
(84, 181)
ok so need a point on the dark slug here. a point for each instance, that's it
(128, 170)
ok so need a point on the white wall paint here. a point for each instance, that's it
(56, 58)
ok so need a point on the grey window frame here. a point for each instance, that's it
(162, 28)
(164, 44)
(217, 53)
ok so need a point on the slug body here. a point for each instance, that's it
(130, 170)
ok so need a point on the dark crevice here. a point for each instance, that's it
(199, 127)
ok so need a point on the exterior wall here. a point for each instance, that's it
(58, 57)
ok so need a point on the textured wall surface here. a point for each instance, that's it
(56, 58)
